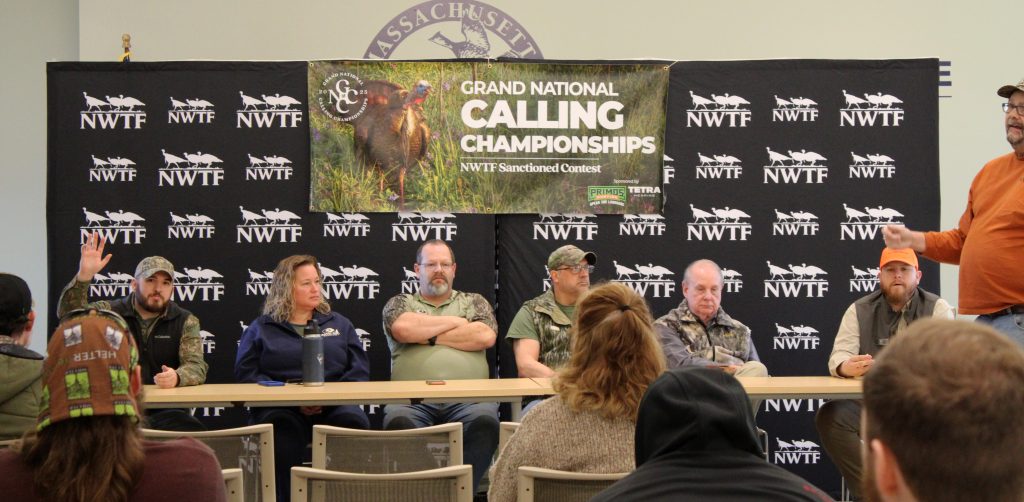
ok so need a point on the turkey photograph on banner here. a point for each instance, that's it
(486, 137)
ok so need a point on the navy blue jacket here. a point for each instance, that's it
(270, 350)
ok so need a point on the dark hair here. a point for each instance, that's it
(947, 397)
(13, 326)
(434, 242)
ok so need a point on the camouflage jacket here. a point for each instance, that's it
(686, 340)
(189, 363)
(469, 306)
(550, 328)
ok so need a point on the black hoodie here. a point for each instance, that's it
(696, 440)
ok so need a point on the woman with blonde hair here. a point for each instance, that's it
(271, 349)
(588, 425)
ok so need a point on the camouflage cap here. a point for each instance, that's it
(1008, 89)
(569, 255)
(153, 264)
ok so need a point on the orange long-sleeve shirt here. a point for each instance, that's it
(988, 243)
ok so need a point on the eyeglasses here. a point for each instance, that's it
(443, 266)
(1019, 108)
(577, 268)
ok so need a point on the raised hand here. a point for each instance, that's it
(92, 260)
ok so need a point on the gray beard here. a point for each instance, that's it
(431, 290)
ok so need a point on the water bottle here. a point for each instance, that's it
(312, 355)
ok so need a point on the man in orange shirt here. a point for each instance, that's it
(988, 241)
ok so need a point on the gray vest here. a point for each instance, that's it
(878, 323)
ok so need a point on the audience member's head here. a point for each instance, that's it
(87, 445)
(942, 416)
(615, 353)
(16, 315)
(289, 281)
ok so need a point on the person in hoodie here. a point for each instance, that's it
(271, 349)
(20, 368)
(696, 440)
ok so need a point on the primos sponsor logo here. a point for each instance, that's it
(117, 227)
(646, 279)
(346, 225)
(872, 166)
(423, 227)
(642, 224)
(601, 196)
(462, 29)
(796, 451)
(718, 167)
(349, 283)
(112, 169)
(565, 226)
(865, 225)
(864, 280)
(718, 224)
(190, 111)
(198, 284)
(111, 285)
(268, 111)
(112, 112)
(799, 109)
(795, 337)
(719, 111)
(342, 96)
(796, 281)
(795, 223)
(275, 225)
(795, 167)
(190, 226)
(881, 110)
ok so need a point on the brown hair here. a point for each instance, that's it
(947, 397)
(279, 302)
(615, 354)
(93, 459)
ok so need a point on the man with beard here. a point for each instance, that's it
(942, 411)
(868, 325)
(442, 334)
(167, 335)
(991, 271)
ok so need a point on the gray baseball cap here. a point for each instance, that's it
(1008, 89)
(569, 255)
(153, 264)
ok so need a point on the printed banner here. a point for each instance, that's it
(485, 137)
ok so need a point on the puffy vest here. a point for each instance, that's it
(161, 348)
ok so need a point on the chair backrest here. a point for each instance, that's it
(383, 452)
(233, 484)
(8, 443)
(505, 430)
(453, 483)
(541, 485)
(248, 448)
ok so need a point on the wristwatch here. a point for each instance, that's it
(432, 341)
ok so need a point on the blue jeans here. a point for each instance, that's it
(479, 427)
(1010, 324)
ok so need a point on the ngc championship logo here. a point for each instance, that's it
(462, 29)
(342, 96)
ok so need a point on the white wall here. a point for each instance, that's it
(972, 35)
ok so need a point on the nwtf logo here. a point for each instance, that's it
(111, 113)
(209, 341)
(565, 226)
(364, 337)
(642, 224)
(268, 226)
(270, 111)
(797, 451)
(423, 227)
(798, 109)
(795, 337)
(793, 405)
(349, 282)
(732, 281)
(112, 285)
(270, 167)
(797, 167)
(258, 285)
(871, 110)
(795, 223)
(668, 171)
(124, 227)
(646, 278)
(718, 223)
(112, 169)
(863, 281)
(190, 111)
(865, 225)
(346, 225)
(198, 284)
(190, 226)
(872, 166)
(718, 167)
(796, 281)
(719, 111)
(411, 282)
(197, 165)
